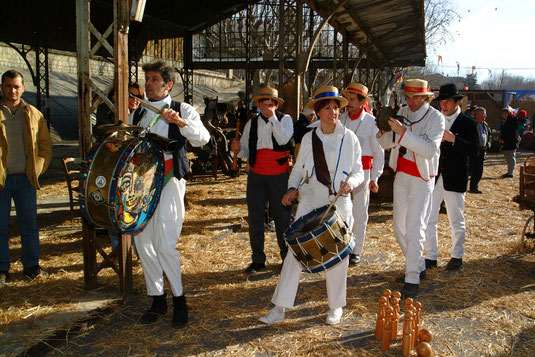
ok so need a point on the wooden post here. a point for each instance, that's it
(120, 25)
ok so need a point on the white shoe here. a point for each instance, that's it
(334, 316)
(274, 316)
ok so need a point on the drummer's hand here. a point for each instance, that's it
(235, 145)
(374, 187)
(396, 126)
(172, 117)
(345, 188)
(289, 197)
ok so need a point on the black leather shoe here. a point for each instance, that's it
(157, 309)
(180, 312)
(475, 191)
(255, 267)
(35, 271)
(430, 263)
(409, 291)
(455, 264)
(354, 259)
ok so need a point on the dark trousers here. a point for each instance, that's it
(19, 188)
(261, 189)
(476, 164)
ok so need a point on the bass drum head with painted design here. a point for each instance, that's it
(138, 187)
(121, 183)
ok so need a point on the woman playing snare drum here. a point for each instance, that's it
(318, 179)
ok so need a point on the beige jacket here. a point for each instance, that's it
(37, 145)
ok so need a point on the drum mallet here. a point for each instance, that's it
(149, 105)
(335, 198)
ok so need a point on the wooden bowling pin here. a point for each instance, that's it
(407, 332)
(416, 307)
(387, 329)
(380, 318)
(387, 293)
(395, 319)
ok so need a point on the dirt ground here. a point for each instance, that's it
(485, 309)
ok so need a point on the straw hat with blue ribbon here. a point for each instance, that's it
(327, 92)
(268, 93)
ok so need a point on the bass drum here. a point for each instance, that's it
(121, 183)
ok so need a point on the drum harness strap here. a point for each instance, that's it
(320, 164)
(147, 129)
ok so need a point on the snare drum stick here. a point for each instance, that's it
(148, 105)
(335, 198)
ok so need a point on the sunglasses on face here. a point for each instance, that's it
(133, 96)
(360, 97)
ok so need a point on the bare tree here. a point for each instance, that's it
(439, 15)
(505, 81)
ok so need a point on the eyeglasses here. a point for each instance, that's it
(360, 97)
(133, 96)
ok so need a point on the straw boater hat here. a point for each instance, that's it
(356, 88)
(415, 87)
(327, 92)
(268, 93)
(448, 91)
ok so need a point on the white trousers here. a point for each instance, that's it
(361, 201)
(412, 199)
(336, 277)
(455, 207)
(156, 244)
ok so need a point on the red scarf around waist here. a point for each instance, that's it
(266, 163)
(367, 162)
(407, 166)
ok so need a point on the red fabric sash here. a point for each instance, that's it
(266, 163)
(367, 162)
(408, 167)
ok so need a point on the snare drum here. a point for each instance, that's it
(318, 246)
(121, 183)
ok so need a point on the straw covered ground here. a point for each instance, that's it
(488, 308)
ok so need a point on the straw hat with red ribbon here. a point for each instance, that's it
(415, 87)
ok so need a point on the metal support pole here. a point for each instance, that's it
(298, 62)
(43, 83)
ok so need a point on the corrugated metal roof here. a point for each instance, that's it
(391, 32)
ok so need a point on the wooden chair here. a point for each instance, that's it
(70, 176)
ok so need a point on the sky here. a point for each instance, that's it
(492, 36)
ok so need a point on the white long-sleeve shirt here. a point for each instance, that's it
(422, 140)
(366, 130)
(342, 154)
(194, 132)
(282, 131)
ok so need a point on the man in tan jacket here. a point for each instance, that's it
(25, 152)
